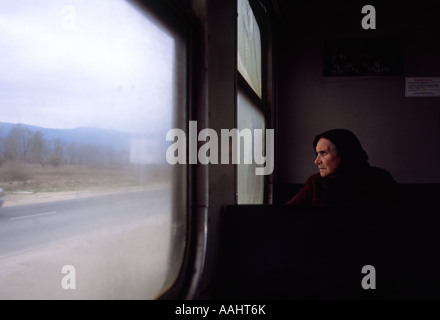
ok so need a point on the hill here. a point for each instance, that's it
(82, 135)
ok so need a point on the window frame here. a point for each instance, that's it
(263, 103)
(176, 15)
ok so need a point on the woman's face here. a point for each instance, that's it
(327, 159)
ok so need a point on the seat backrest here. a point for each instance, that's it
(290, 252)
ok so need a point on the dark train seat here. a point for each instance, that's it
(291, 252)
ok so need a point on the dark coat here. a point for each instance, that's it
(372, 186)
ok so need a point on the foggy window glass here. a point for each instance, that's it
(92, 210)
(249, 46)
(250, 185)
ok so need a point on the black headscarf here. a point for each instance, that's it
(353, 156)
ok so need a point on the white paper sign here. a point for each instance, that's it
(422, 87)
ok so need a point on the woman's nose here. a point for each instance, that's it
(318, 160)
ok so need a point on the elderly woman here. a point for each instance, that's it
(345, 176)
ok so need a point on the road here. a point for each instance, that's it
(30, 225)
(118, 243)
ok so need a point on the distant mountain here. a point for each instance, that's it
(81, 135)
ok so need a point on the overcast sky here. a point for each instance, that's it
(65, 64)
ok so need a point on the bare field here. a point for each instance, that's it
(31, 183)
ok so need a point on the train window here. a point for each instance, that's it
(250, 187)
(88, 92)
(249, 46)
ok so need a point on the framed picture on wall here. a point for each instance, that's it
(363, 57)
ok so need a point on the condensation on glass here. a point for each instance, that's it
(249, 46)
(88, 92)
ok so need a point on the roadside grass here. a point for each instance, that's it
(23, 177)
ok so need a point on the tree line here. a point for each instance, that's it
(23, 144)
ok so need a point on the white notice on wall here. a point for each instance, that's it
(422, 87)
